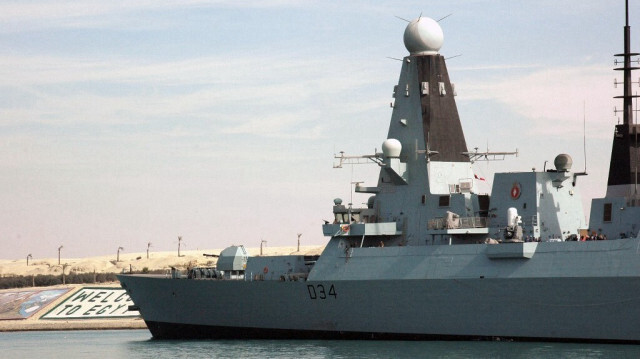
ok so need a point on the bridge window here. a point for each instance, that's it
(443, 201)
(606, 215)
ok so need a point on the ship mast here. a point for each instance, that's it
(623, 168)
(627, 110)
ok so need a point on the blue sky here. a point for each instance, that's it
(129, 122)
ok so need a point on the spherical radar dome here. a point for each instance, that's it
(563, 162)
(391, 148)
(423, 36)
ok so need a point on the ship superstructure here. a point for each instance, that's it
(428, 257)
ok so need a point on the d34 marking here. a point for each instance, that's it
(319, 291)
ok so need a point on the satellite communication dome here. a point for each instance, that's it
(391, 148)
(371, 201)
(563, 162)
(423, 36)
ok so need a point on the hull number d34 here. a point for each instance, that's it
(318, 291)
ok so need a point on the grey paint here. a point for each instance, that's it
(421, 265)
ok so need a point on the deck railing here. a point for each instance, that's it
(458, 223)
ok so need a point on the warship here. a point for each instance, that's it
(429, 257)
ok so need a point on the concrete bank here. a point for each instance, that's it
(78, 324)
(70, 307)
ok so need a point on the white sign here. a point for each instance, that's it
(91, 303)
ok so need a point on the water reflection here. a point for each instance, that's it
(138, 344)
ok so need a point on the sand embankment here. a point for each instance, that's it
(131, 261)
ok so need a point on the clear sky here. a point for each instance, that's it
(128, 122)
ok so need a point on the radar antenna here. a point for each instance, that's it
(428, 152)
(488, 156)
(358, 160)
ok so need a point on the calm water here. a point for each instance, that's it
(138, 344)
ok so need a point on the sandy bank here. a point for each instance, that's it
(132, 261)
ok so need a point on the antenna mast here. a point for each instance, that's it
(627, 109)
(624, 154)
(584, 134)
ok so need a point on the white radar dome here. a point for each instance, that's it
(423, 36)
(391, 148)
(563, 162)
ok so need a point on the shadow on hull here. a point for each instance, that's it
(169, 331)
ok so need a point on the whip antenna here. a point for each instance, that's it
(442, 18)
(584, 134)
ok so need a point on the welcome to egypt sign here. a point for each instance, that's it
(94, 302)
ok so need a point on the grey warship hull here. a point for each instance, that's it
(451, 292)
(430, 256)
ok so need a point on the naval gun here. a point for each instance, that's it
(233, 262)
(513, 230)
